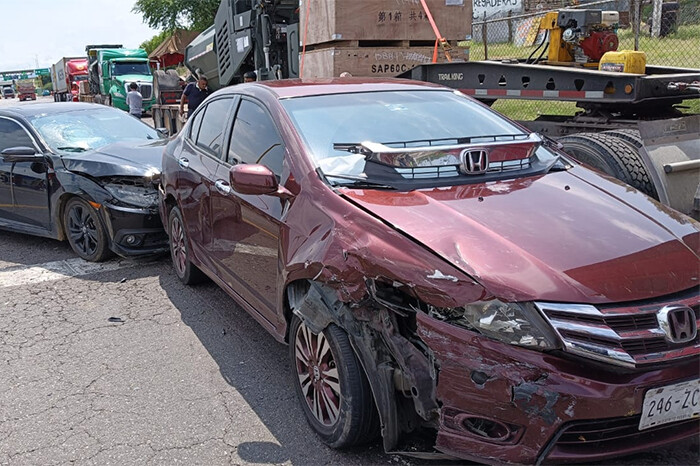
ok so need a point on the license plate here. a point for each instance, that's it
(670, 404)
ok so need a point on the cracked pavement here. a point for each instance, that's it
(124, 365)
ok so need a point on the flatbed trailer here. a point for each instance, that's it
(628, 125)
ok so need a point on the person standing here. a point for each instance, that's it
(134, 100)
(194, 94)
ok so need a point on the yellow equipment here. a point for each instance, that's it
(625, 61)
(580, 36)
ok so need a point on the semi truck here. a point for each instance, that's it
(66, 74)
(112, 68)
(629, 124)
(7, 89)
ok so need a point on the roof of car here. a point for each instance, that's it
(52, 107)
(287, 88)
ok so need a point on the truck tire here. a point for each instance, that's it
(611, 155)
(632, 137)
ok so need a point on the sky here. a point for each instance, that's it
(42, 31)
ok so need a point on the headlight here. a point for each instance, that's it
(135, 195)
(118, 94)
(513, 323)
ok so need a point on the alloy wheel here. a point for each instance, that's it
(318, 375)
(82, 229)
(178, 245)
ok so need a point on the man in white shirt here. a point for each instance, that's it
(134, 100)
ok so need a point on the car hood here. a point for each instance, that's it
(569, 236)
(120, 159)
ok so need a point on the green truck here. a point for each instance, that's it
(112, 68)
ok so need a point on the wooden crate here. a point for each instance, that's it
(380, 20)
(365, 61)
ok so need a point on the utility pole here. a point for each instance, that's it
(656, 19)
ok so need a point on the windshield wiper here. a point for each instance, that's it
(73, 149)
(358, 182)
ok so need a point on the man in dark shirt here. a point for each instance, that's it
(194, 93)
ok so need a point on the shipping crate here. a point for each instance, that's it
(365, 61)
(380, 20)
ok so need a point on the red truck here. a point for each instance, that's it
(65, 76)
(26, 90)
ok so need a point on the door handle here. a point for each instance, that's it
(183, 162)
(223, 187)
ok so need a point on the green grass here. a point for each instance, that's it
(681, 49)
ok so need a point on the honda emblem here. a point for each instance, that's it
(474, 162)
(678, 323)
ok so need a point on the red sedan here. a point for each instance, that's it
(440, 272)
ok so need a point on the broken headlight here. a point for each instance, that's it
(513, 323)
(141, 196)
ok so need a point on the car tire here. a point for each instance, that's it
(84, 230)
(186, 272)
(612, 155)
(331, 386)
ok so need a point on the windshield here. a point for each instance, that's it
(395, 119)
(121, 68)
(84, 130)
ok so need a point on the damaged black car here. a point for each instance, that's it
(84, 173)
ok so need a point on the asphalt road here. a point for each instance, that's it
(119, 363)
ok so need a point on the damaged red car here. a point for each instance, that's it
(444, 279)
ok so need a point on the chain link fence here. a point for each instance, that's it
(668, 32)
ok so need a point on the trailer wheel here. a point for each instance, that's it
(612, 155)
(630, 136)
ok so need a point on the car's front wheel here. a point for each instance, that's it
(331, 385)
(85, 232)
(187, 272)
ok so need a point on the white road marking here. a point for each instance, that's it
(49, 271)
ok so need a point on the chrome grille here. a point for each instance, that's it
(146, 91)
(508, 165)
(626, 335)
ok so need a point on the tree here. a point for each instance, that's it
(151, 44)
(173, 14)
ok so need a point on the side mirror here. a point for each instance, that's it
(163, 132)
(21, 154)
(253, 179)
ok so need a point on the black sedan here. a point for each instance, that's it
(85, 173)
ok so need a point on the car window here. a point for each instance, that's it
(196, 124)
(13, 135)
(211, 132)
(254, 139)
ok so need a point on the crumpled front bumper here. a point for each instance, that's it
(542, 408)
(134, 231)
